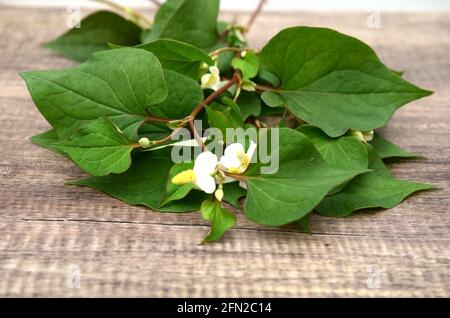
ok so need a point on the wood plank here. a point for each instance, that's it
(51, 230)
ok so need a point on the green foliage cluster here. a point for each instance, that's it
(113, 114)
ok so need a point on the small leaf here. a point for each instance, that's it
(301, 182)
(190, 21)
(248, 65)
(232, 193)
(268, 78)
(99, 148)
(224, 116)
(333, 81)
(119, 84)
(249, 104)
(376, 189)
(221, 219)
(178, 56)
(95, 31)
(386, 149)
(145, 184)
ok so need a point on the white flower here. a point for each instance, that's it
(202, 175)
(364, 136)
(235, 160)
(212, 79)
(207, 172)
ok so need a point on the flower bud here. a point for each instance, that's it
(144, 142)
(219, 194)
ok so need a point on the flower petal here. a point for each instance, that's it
(206, 80)
(230, 161)
(251, 150)
(205, 163)
(235, 149)
(214, 70)
(205, 182)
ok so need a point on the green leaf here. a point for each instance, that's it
(99, 148)
(248, 65)
(47, 140)
(301, 182)
(376, 189)
(249, 104)
(344, 153)
(144, 184)
(177, 192)
(386, 149)
(268, 78)
(232, 192)
(333, 81)
(190, 21)
(95, 31)
(154, 131)
(221, 219)
(119, 84)
(224, 116)
(184, 95)
(178, 56)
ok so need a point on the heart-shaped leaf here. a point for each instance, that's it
(93, 35)
(221, 219)
(333, 81)
(119, 84)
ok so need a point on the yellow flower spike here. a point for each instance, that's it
(245, 161)
(184, 177)
(234, 170)
(235, 159)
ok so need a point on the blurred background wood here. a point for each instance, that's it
(51, 232)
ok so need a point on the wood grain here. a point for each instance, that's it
(50, 229)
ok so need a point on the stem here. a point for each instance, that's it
(213, 96)
(151, 118)
(168, 138)
(239, 177)
(133, 15)
(196, 135)
(235, 79)
(264, 88)
(255, 14)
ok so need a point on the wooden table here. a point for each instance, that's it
(51, 232)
